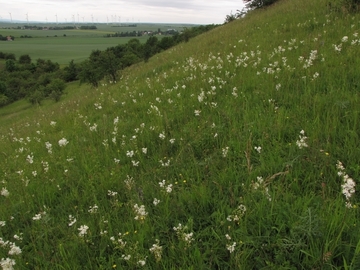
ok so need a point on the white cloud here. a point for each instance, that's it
(156, 11)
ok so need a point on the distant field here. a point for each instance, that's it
(69, 44)
(61, 49)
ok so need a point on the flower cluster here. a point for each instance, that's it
(63, 142)
(258, 149)
(72, 220)
(5, 192)
(301, 143)
(39, 216)
(140, 212)
(83, 230)
(168, 188)
(182, 235)
(7, 263)
(225, 151)
(348, 185)
(260, 184)
(238, 213)
(156, 249)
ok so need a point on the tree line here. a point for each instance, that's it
(107, 63)
(141, 33)
(44, 79)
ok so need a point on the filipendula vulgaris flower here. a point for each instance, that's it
(83, 230)
(182, 235)
(5, 192)
(301, 143)
(156, 249)
(140, 212)
(348, 186)
(63, 142)
(7, 264)
(237, 213)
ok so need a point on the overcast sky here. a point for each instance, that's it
(155, 11)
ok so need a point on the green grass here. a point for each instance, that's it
(185, 129)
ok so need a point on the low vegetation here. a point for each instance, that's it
(236, 150)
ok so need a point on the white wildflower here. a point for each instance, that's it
(225, 151)
(301, 143)
(93, 209)
(231, 248)
(126, 257)
(30, 159)
(156, 201)
(14, 250)
(258, 149)
(162, 136)
(63, 142)
(156, 249)
(72, 220)
(140, 212)
(83, 230)
(7, 264)
(5, 192)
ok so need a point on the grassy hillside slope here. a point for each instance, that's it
(236, 150)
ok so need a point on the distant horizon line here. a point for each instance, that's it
(79, 23)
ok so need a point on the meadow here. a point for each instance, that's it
(235, 150)
(62, 46)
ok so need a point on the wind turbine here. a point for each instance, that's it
(10, 17)
(56, 19)
(27, 17)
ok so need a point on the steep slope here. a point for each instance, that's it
(236, 150)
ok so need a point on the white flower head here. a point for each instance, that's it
(5, 192)
(63, 142)
(156, 201)
(14, 250)
(30, 159)
(7, 264)
(162, 136)
(83, 230)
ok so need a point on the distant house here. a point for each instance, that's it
(9, 38)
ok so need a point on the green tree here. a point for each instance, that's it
(258, 3)
(36, 97)
(10, 65)
(24, 59)
(2, 88)
(166, 43)
(3, 100)
(150, 47)
(90, 73)
(10, 56)
(71, 72)
(109, 64)
(55, 89)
